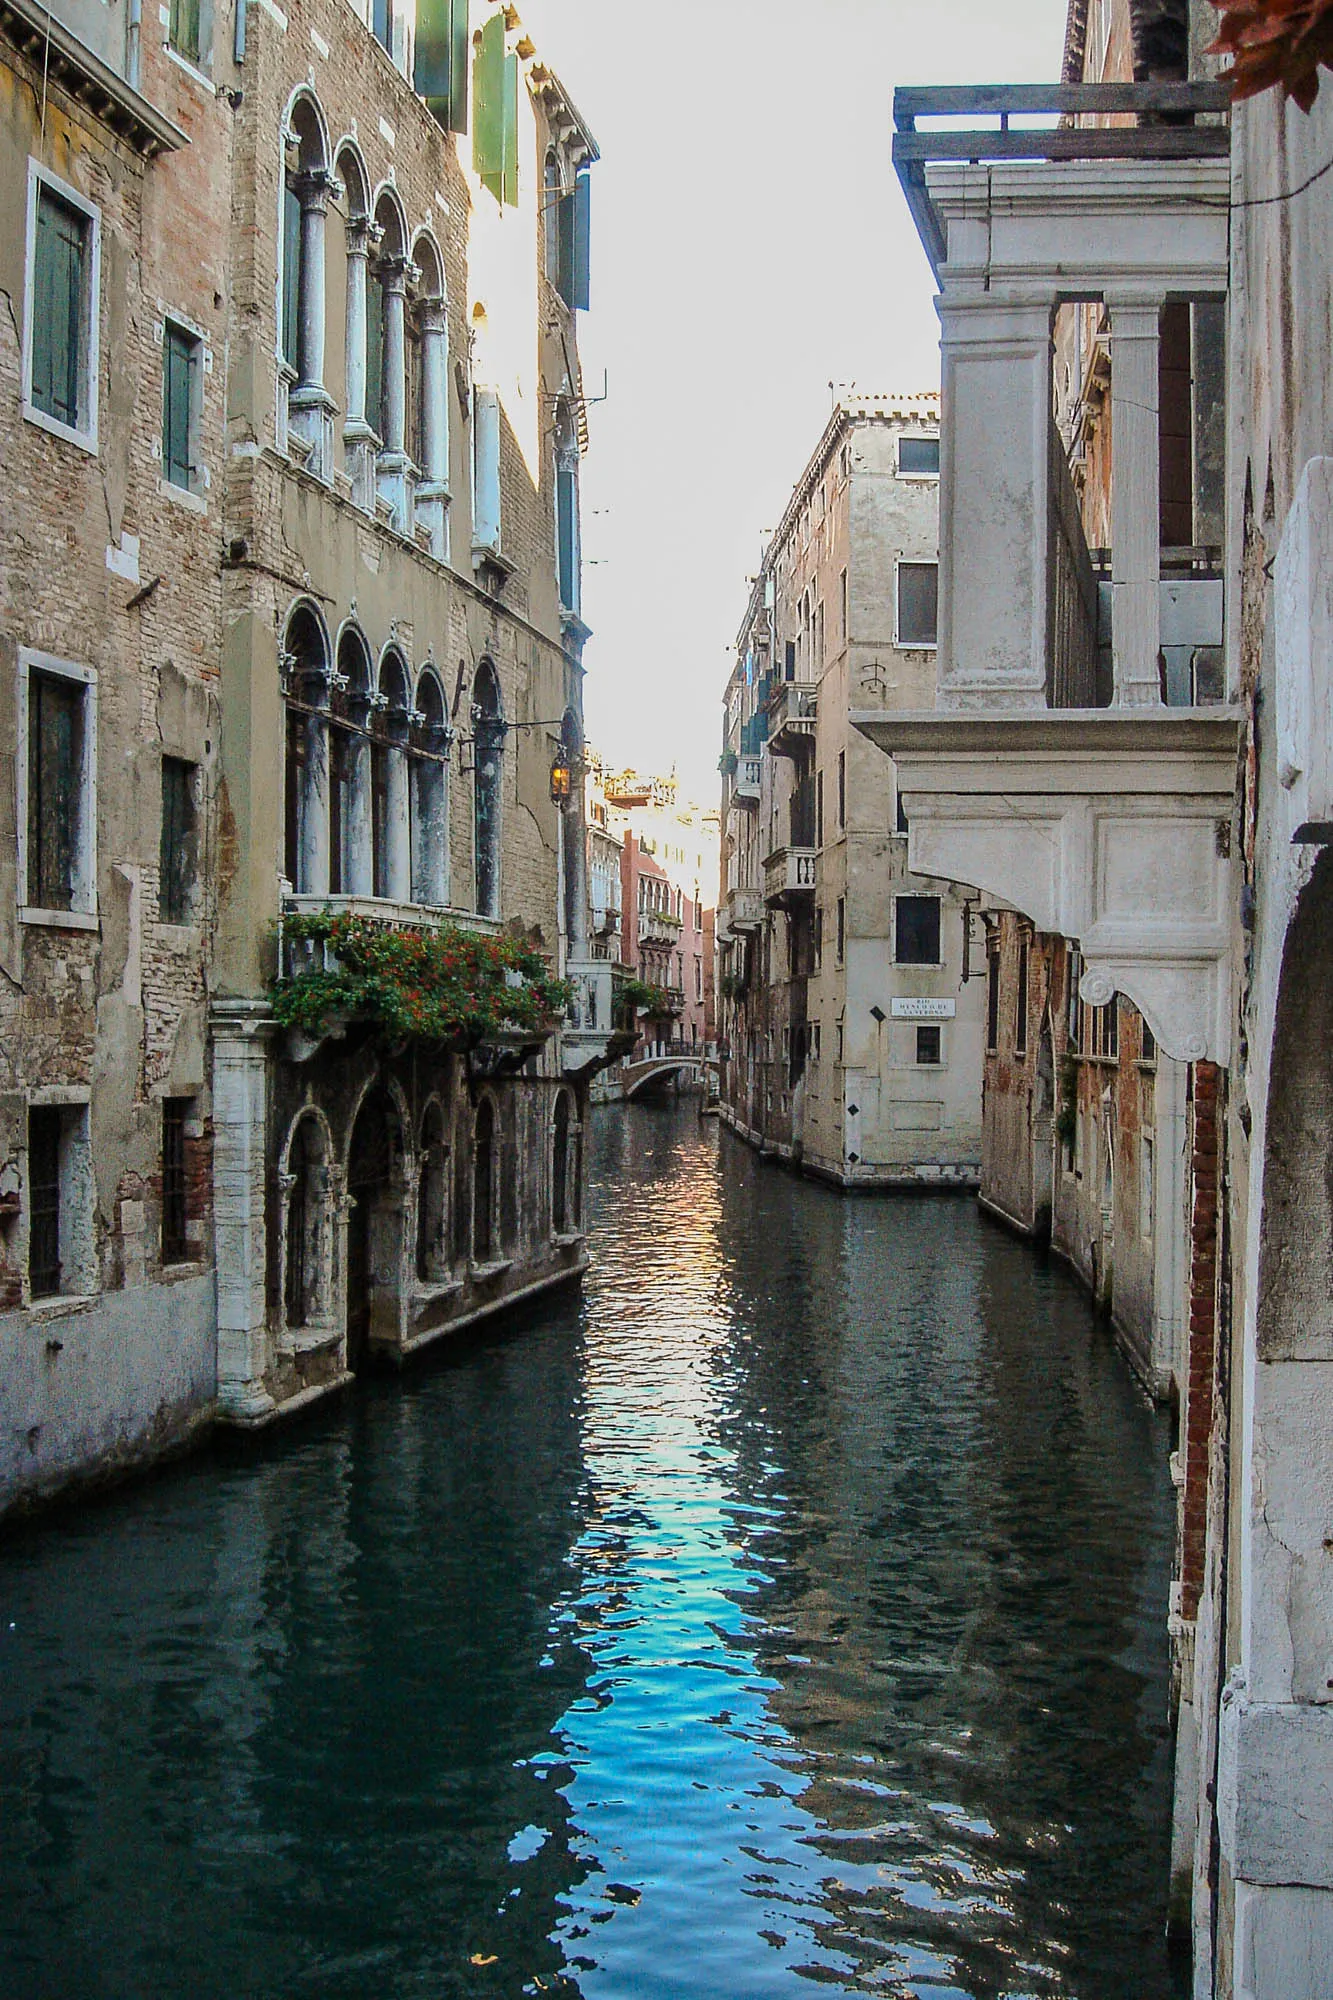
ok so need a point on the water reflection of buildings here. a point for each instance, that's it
(961, 1589)
(289, 1714)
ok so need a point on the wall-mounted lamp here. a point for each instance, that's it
(562, 778)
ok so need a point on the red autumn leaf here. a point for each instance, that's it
(1275, 43)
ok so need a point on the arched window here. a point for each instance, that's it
(483, 1183)
(429, 753)
(307, 187)
(391, 813)
(560, 1165)
(488, 741)
(305, 1192)
(359, 439)
(351, 837)
(432, 1199)
(431, 425)
(306, 682)
(386, 357)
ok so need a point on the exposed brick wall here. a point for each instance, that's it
(1205, 1083)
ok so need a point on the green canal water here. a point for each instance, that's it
(787, 1613)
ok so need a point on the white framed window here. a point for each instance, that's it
(62, 288)
(57, 791)
(916, 603)
(929, 1045)
(918, 456)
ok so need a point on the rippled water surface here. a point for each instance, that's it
(787, 1613)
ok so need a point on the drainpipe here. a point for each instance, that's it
(238, 40)
(133, 24)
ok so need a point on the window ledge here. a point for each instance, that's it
(428, 1291)
(192, 70)
(183, 1268)
(63, 1306)
(182, 496)
(84, 440)
(183, 936)
(59, 920)
(481, 1274)
(309, 1339)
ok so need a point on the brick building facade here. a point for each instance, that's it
(290, 389)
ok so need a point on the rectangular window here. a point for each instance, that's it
(61, 1257)
(175, 1112)
(789, 660)
(900, 821)
(918, 603)
(992, 1001)
(1074, 1021)
(842, 928)
(178, 856)
(928, 1043)
(919, 456)
(61, 310)
(1147, 1044)
(1113, 1029)
(56, 775)
(183, 29)
(44, 1201)
(817, 942)
(917, 930)
(838, 1043)
(382, 23)
(842, 583)
(1146, 1185)
(819, 809)
(182, 356)
(842, 790)
(1021, 1004)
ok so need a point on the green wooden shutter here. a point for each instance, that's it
(178, 364)
(458, 46)
(578, 277)
(509, 178)
(58, 304)
(488, 107)
(566, 516)
(438, 57)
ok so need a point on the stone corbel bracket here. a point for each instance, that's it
(1108, 827)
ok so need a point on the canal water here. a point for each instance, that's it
(786, 1614)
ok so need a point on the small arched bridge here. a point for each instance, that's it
(656, 1072)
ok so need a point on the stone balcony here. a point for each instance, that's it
(1110, 825)
(791, 728)
(789, 877)
(659, 927)
(745, 911)
(745, 784)
(594, 1034)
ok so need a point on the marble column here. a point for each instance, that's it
(432, 495)
(1135, 504)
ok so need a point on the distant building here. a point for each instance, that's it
(850, 990)
(668, 868)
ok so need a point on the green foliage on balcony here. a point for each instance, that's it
(445, 985)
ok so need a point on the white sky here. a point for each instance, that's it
(750, 244)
